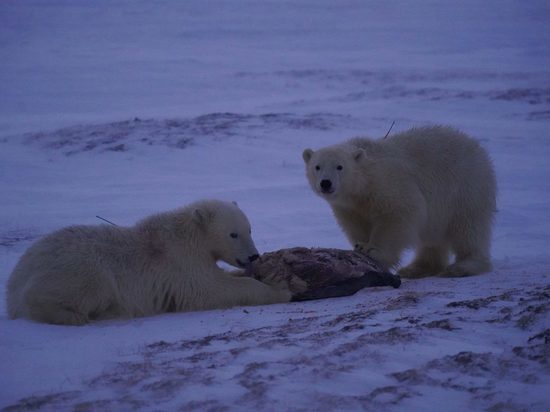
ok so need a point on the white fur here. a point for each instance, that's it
(165, 263)
(431, 188)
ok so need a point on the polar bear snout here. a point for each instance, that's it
(245, 254)
(246, 264)
(248, 261)
(326, 186)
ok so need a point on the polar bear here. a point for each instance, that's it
(165, 263)
(430, 188)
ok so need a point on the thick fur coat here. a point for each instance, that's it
(429, 188)
(165, 263)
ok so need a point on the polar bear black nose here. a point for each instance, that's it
(253, 258)
(326, 184)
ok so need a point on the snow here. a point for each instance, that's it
(122, 109)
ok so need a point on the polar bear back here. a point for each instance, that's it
(442, 161)
(447, 163)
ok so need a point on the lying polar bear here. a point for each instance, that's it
(165, 263)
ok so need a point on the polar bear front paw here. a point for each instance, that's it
(375, 253)
(364, 248)
(413, 272)
(280, 295)
(369, 250)
(467, 267)
(285, 282)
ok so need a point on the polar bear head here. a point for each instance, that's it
(227, 232)
(330, 170)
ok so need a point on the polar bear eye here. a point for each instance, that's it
(339, 167)
(234, 235)
(317, 167)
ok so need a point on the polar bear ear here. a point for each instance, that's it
(307, 155)
(235, 203)
(358, 154)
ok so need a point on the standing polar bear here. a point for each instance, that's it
(165, 263)
(432, 188)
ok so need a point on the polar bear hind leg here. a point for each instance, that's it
(471, 245)
(61, 304)
(44, 309)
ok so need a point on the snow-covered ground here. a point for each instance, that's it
(126, 108)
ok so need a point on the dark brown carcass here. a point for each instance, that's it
(318, 273)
